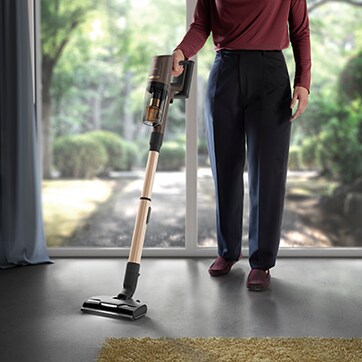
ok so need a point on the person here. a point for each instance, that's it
(249, 105)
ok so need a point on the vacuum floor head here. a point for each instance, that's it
(114, 307)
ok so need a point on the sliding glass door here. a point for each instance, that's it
(96, 58)
(323, 206)
(95, 61)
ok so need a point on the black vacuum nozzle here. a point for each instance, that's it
(114, 307)
(122, 305)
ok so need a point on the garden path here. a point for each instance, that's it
(112, 224)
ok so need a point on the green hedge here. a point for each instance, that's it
(122, 154)
(132, 155)
(172, 156)
(309, 153)
(339, 150)
(79, 156)
(295, 162)
(115, 147)
(93, 153)
(350, 80)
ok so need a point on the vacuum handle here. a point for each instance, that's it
(182, 84)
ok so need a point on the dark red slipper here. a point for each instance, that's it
(220, 266)
(258, 280)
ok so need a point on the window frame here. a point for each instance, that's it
(191, 248)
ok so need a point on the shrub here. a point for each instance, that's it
(122, 155)
(172, 156)
(350, 80)
(202, 147)
(131, 152)
(203, 153)
(115, 148)
(294, 162)
(79, 156)
(309, 153)
(339, 150)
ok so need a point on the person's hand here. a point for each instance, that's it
(301, 95)
(177, 57)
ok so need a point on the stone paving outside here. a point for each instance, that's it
(112, 224)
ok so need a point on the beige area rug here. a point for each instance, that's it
(231, 349)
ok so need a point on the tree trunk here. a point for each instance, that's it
(46, 125)
(128, 124)
(97, 108)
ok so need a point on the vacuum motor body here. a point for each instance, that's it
(157, 91)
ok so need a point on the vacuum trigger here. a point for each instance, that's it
(148, 215)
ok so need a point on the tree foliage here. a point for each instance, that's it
(59, 21)
(328, 133)
(350, 80)
(96, 56)
(314, 4)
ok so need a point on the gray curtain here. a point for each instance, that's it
(22, 239)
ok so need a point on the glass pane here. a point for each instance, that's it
(96, 59)
(205, 183)
(323, 206)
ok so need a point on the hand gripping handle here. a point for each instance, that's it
(182, 84)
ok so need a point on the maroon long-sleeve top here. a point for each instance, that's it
(253, 25)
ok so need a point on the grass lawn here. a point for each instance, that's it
(68, 203)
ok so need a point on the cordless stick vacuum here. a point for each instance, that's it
(161, 91)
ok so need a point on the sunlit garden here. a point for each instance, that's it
(95, 60)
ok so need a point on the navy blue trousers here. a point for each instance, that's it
(248, 112)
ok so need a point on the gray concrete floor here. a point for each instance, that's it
(40, 318)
